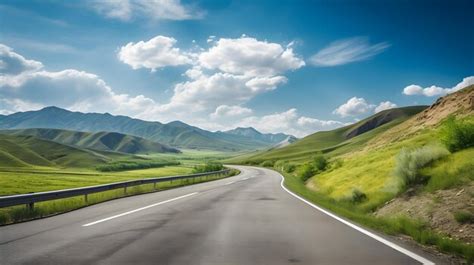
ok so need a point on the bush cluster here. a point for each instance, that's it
(409, 162)
(285, 166)
(358, 196)
(129, 165)
(208, 167)
(457, 134)
(317, 165)
(268, 163)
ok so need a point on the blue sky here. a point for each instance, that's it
(291, 66)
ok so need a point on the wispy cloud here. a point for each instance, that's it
(32, 15)
(347, 51)
(50, 47)
(126, 10)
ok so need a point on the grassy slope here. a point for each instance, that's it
(333, 142)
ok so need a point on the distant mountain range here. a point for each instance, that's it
(256, 135)
(175, 134)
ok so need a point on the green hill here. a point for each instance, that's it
(26, 151)
(103, 141)
(337, 141)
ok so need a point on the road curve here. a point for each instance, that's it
(246, 219)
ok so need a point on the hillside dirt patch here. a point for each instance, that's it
(437, 210)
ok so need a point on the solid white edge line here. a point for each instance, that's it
(360, 229)
(139, 209)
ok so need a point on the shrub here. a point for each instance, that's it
(409, 162)
(457, 134)
(306, 171)
(289, 168)
(208, 167)
(464, 217)
(358, 196)
(319, 163)
(285, 166)
(268, 163)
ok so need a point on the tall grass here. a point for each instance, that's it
(409, 162)
(452, 171)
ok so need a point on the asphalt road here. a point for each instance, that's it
(246, 219)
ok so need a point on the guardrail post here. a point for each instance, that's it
(86, 199)
(30, 206)
(125, 190)
(154, 185)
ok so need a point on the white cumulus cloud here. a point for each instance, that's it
(230, 72)
(225, 111)
(354, 106)
(384, 106)
(249, 56)
(436, 90)
(155, 53)
(347, 51)
(290, 122)
(30, 87)
(12, 63)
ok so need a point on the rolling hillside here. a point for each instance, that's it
(176, 134)
(27, 151)
(339, 140)
(103, 141)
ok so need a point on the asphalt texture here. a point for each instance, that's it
(245, 219)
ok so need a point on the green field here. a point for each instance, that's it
(29, 164)
(25, 179)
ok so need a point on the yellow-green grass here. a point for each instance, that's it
(369, 171)
(454, 170)
(47, 208)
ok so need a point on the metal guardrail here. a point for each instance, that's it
(31, 198)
